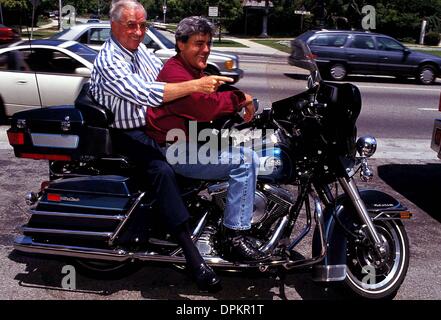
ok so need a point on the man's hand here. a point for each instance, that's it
(248, 108)
(209, 84)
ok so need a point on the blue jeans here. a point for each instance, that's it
(239, 166)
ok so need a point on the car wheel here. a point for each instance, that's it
(337, 71)
(426, 74)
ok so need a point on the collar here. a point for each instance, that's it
(196, 73)
(128, 55)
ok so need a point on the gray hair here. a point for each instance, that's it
(190, 26)
(119, 5)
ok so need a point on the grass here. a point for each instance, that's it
(227, 43)
(274, 44)
(40, 34)
(434, 52)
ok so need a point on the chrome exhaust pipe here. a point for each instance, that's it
(25, 244)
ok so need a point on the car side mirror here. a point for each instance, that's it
(406, 51)
(82, 71)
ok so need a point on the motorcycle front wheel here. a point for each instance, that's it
(369, 279)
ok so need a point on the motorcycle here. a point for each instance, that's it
(94, 209)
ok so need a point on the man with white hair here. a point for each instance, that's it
(124, 80)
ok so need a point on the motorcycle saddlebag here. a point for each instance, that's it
(57, 133)
(83, 209)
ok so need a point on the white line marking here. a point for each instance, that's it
(428, 109)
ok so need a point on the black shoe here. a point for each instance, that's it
(206, 279)
(242, 249)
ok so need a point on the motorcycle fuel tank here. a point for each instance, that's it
(275, 164)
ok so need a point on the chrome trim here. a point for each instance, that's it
(320, 223)
(104, 235)
(76, 215)
(124, 221)
(280, 193)
(322, 273)
(352, 191)
(25, 244)
(64, 141)
(274, 240)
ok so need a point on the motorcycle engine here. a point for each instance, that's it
(268, 200)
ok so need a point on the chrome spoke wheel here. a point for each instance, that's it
(374, 278)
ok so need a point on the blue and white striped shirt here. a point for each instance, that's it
(124, 82)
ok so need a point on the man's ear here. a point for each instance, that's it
(180, 45)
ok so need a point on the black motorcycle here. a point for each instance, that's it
(95, 210)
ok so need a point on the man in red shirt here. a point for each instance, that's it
(239, 166)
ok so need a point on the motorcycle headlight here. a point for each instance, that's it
(366, 146)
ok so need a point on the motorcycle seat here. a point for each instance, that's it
(94, 114)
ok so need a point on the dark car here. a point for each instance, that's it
(341, 52)
(8, 35)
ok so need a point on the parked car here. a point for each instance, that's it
(42, 73)
(342, 52)
(94, 35)
(8, 35)
(436, 134)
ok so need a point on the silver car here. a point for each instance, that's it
(42, 73)
(95, 34)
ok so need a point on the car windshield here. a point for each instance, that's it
(84, 52)
(169, 44)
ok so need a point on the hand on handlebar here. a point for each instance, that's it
(249, 109)
(209, 84)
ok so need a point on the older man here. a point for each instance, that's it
(123, 80)
(238, 166)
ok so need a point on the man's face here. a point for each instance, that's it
(196, 50)
(130, 29)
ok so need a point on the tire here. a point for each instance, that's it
(337, 71)
(106, 270)
(426, 74)
(363, 279)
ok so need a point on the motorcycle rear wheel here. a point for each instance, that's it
(367, 280)
(106, 270)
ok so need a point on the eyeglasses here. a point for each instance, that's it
(133, 26)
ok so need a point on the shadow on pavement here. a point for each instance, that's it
(419, 183)
(165, 283)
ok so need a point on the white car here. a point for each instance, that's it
(95, 34)
(42, 73)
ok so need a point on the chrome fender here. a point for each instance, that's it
(380, 205)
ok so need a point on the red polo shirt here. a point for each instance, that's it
(195, 107)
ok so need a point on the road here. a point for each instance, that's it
(388, 109)
(399, 114)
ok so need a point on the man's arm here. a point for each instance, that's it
(209, 84)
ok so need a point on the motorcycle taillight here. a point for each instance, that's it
(16, 138)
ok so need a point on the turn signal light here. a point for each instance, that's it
(16, 138)
(229, 64)
(405, 215)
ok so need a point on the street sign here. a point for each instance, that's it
(213, 11)
(164, 9)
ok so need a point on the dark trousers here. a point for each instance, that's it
(153, 166)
